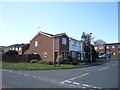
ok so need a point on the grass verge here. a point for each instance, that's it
(115, 56)
(7, 65)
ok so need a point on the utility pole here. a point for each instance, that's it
(90, 48)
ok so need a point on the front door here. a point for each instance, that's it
(56, 55)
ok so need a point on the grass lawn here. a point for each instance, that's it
(115, 56)
(7, 65)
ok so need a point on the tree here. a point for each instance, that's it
(11, 52)
(59, 59)
(86, 43)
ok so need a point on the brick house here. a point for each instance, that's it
(50, 46)
(20, 48)
(113, 49)
(110, 48)
(100, 49)
(2, 49)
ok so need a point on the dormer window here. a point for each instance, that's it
(64, 41)
(36, 43)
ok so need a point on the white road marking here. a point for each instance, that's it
(34, 76)
(10, 71)
(99, 87)
(114, 65)
(94, 87)
(7, 70)
(66, 81)
(79, 76)
(85, 85)
(76, 83)
(20, 73)
(25, 74)
(62, 82)
(102, 69)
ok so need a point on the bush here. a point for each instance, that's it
(75, 62)
(11, 52)
(60, 58)
(34, 61)
(70, 59)
(45, 62)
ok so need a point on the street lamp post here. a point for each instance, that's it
(90, 48)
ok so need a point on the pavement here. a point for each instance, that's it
(98, 76)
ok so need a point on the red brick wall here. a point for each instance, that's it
(45, 44)
(62, 46)
(100, 50)
(114, 50)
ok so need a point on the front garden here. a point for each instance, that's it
(7, 65)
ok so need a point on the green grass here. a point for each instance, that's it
(115, 56)
(7, 65)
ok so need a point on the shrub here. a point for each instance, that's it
(60, 58)
(75, 62)
(11, 52)
(70, 58)
(45, 62)
(34, 61)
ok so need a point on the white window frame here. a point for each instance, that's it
(64, 41)
(13, 48)
(45, 54)
(118, 46)
(20, 48)
(107, 47)
(113, 46)
(96, 48)
(101, 47)
(36, 43)
(16, 49)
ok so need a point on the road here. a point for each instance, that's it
(100, 76)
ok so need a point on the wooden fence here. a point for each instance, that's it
(20, 58)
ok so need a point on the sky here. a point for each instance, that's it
(19, 21)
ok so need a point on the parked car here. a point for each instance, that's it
(104, 56)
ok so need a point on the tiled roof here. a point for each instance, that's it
(111, 43)
(74, 39)
(17, 45)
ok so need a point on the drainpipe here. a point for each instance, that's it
(54, 51)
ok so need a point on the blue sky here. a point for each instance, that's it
(21, 19)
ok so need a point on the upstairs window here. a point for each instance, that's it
(20, 48)
(16, 49)
(100, 47)
(107, 47)
(64, 41)
(118, 46)
(95, 48)
(113, 46)
(36, 43)
(74, 43)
